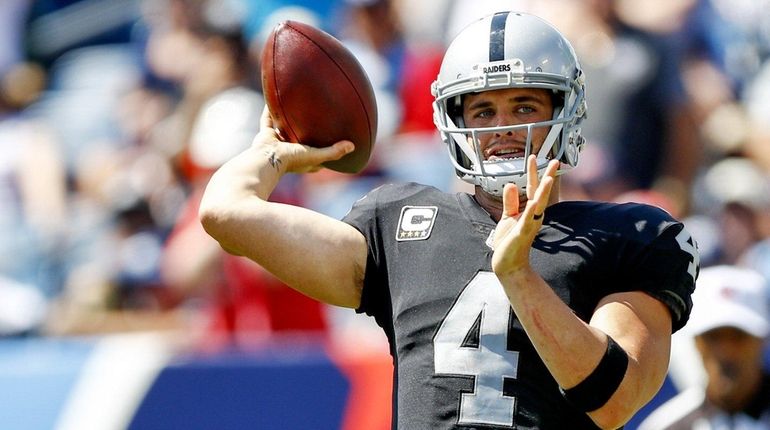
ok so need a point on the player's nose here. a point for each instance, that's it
(505, 121)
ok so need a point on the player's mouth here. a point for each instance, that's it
(503, 153)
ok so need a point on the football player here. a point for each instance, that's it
(506, 308)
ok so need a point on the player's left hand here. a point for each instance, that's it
(516, 231)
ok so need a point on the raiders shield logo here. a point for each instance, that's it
(416, 222)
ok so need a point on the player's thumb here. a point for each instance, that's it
(265, 120)
(337, 151)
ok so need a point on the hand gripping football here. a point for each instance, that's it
(318, 93)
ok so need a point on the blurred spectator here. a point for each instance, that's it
(12, 15)
(731, 202)
(642, 134)
(260, 16)
(402, 71)
(32, 203)
(376, 25)
(121, 191)
(32, 187)
(758, 258)
(239, 302)
(123, 196)
(22, 308)
(757, 109)
(55, 27)
(734, 35)
(650, 197)
(730, 323)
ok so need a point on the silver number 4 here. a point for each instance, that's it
(490, 362)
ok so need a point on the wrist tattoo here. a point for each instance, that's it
(273, 159)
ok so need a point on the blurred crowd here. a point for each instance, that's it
(114, 113)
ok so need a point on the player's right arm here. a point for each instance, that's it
(317, 255)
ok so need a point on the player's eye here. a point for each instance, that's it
(484, 114)
(526, 109)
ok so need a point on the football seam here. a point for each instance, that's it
(342, 69)
(280, 100)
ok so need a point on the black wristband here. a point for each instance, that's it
(594, 391)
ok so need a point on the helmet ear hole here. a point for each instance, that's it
(461, 158)
(455, 110)
(557, 101)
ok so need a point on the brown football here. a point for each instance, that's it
(318, 93)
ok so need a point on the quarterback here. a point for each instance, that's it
(506, 308)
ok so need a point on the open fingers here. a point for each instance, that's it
(532, 179)
(510, 200)
(541, 197)
(552, 168)
(542, 194)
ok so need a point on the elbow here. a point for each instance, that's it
(215, 212)
(210, 218)
(620, 408)
(214, 222)
(612, 416)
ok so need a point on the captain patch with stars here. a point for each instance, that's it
(416, 222)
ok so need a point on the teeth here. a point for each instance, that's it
(495, 158)
(505, 154)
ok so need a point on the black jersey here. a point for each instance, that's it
(462, 359)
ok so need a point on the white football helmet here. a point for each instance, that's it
(509, 50)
